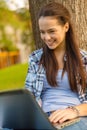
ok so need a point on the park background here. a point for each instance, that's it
(19, 36)
(15, 43)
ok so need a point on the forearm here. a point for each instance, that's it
(82, 108)
(68, 113)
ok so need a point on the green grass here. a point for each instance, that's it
(13, 77)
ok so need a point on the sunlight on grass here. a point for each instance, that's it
(13, 77)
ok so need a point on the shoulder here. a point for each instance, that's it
(84, 58)
(84, 55)
(36, 55)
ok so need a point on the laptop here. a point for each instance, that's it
(19, 110)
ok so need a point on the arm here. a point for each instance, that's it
(31, 75)
(68, 113)
(30, 82)
(82, 109)
(34, 58)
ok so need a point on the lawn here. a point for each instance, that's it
(13, 77)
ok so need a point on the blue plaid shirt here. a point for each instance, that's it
(36, 73)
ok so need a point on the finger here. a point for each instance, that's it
(53, 115)
(60, 117)
(64, 118)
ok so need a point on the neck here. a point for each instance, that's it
(60, 50)
(59, 53)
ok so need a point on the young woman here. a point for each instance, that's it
(57, 74)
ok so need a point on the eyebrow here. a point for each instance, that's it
(49, 29)
(52, 29)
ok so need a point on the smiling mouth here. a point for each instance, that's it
(51, 43)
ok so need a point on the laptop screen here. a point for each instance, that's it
(19, 110)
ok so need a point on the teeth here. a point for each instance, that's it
(50, 42)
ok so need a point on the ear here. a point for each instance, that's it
(67, 27)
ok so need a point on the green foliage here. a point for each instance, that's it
(19, 19)
(27, 35)
(9, 17)
(23, 14)
(13, 77)
(5, 43)
(28, 39)
(6, 17)
(3, 4)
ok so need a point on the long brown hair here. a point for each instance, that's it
(73, 64)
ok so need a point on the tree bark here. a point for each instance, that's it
(78, 10)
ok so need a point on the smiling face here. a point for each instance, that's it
(52, 32)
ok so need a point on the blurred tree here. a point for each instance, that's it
(18, 19)
(78, 9)
(7, 17)
(27, 30)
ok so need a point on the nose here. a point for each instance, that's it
(47, 37)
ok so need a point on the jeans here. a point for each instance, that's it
(81, 125)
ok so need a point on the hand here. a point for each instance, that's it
(62, 115)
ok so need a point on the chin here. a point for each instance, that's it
(51, 48)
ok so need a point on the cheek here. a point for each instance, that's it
(62, 35)
(41, 36)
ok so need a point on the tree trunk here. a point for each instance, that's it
(78, 10)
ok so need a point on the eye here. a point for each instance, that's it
(42, 32)
(52, 31)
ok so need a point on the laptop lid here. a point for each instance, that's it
(19, 110)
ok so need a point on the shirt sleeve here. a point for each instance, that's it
(85, 65)
(31, 75)
(83, 97)
(86, 76)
